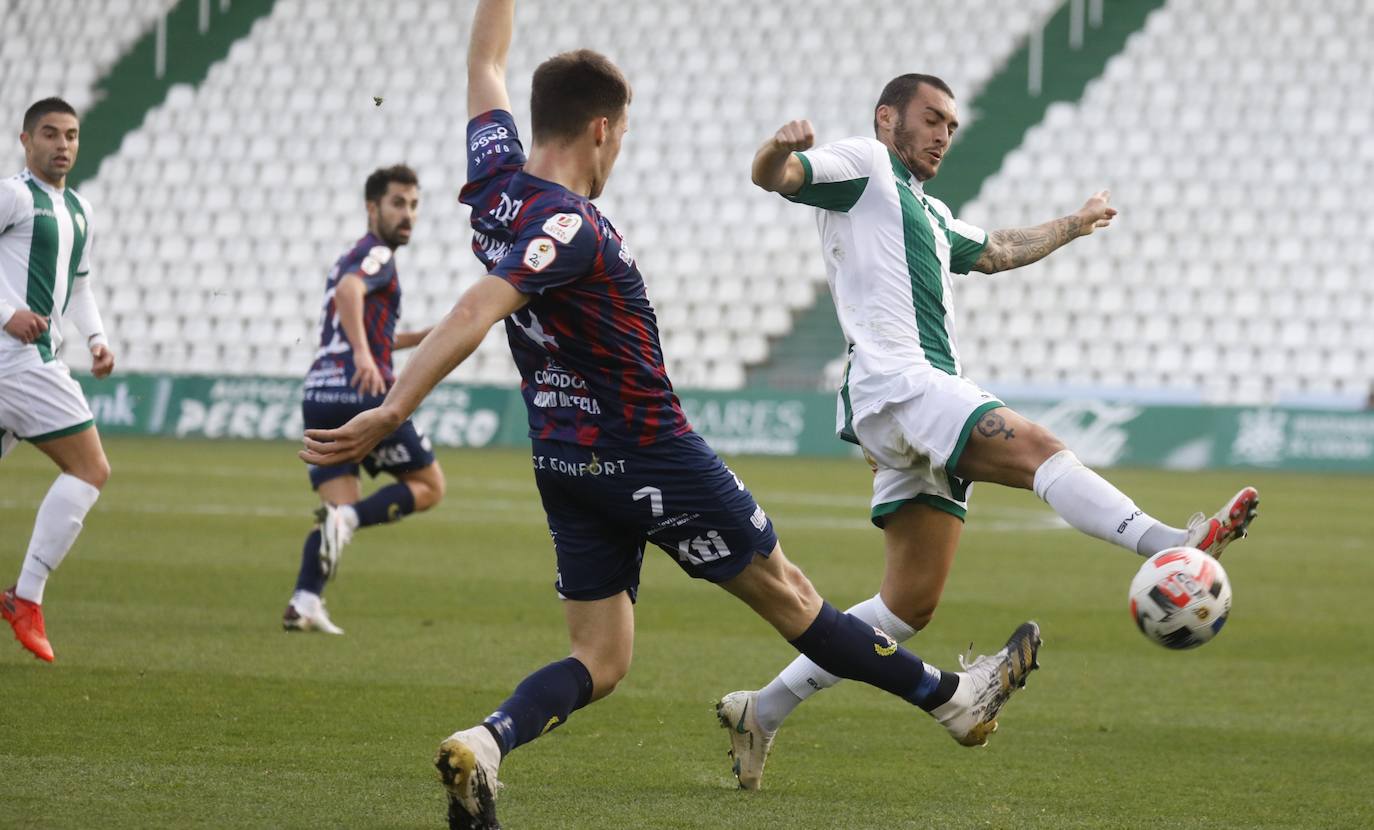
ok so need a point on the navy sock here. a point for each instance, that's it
(849, 647)
(542, 701)
(311, 578)
(386, 505)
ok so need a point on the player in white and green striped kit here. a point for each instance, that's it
(891, 253)
(45, 276)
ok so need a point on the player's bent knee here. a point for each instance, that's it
(428, 489)
(606, 673)
(94, 472)
(917, 614)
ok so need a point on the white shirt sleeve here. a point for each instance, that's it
(81, 308)
(966, 240)
(10, 211)
(836, 174)
(11, 207)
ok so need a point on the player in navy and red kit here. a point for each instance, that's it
(351, 373)
(615, 461)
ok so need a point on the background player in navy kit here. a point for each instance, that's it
(351, 373)
(615, 460)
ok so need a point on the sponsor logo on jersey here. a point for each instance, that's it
(699, 550)
(576, 469)
(540, 254)
(381, 253)
(759, 519)
(493, 249)
(625, 255)
(563, 226)
(38, 211)
(488, 134)
(370, 266)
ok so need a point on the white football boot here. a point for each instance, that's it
(1212, 534)
(335, 532)
(985, 686)
(306, 612)
(749, 742)
(468, 761)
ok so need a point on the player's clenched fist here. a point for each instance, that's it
(26, 326)
(795, 135)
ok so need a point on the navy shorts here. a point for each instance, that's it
(402, 451)
(604, 504)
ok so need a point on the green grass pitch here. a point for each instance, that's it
(178, 701)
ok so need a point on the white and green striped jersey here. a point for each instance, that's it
(45, 242)
(890, 255)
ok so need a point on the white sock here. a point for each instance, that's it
(54, 531)
(1090, 503)
(803, 678)
(1161, 537)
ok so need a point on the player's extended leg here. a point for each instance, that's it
(602, 634)
(415, 490)
(920, 542)
(966, 703)
(305, 611)
(81, 458)
(1006, 448)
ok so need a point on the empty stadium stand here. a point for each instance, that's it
(1233, 136)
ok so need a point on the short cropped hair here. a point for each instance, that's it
(382, 177)
(47, 106)
(571, 89)
(901, 89)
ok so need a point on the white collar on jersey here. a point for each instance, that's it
(36, 180)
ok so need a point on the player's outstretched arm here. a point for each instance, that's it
(1012, 248)
(449, 343)
(491, 32)
(775, 168)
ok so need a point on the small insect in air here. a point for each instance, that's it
(376, 100)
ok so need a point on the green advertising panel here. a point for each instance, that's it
(1103, 433)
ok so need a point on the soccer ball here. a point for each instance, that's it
(1180, 598)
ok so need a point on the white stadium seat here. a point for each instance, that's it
(240, 191)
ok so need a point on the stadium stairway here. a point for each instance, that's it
(197, 35)
(1078, 39)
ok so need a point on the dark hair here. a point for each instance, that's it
(377, 183)
(47, 106)
(900, 90)
(573, 88)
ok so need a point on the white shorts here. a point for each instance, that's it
(913, 444)
(41, 403)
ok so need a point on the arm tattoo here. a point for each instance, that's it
(992, 425)
(1013, 248)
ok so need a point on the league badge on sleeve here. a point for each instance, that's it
(540, 254)
(563, 226)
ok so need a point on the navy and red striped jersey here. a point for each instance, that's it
(586, 345)
(375, 263)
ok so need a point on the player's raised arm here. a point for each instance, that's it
(1014, 247)
(448, 344)
(491, 32)
(776, 169)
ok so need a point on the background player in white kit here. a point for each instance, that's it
(890, 253)
(45, 277)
